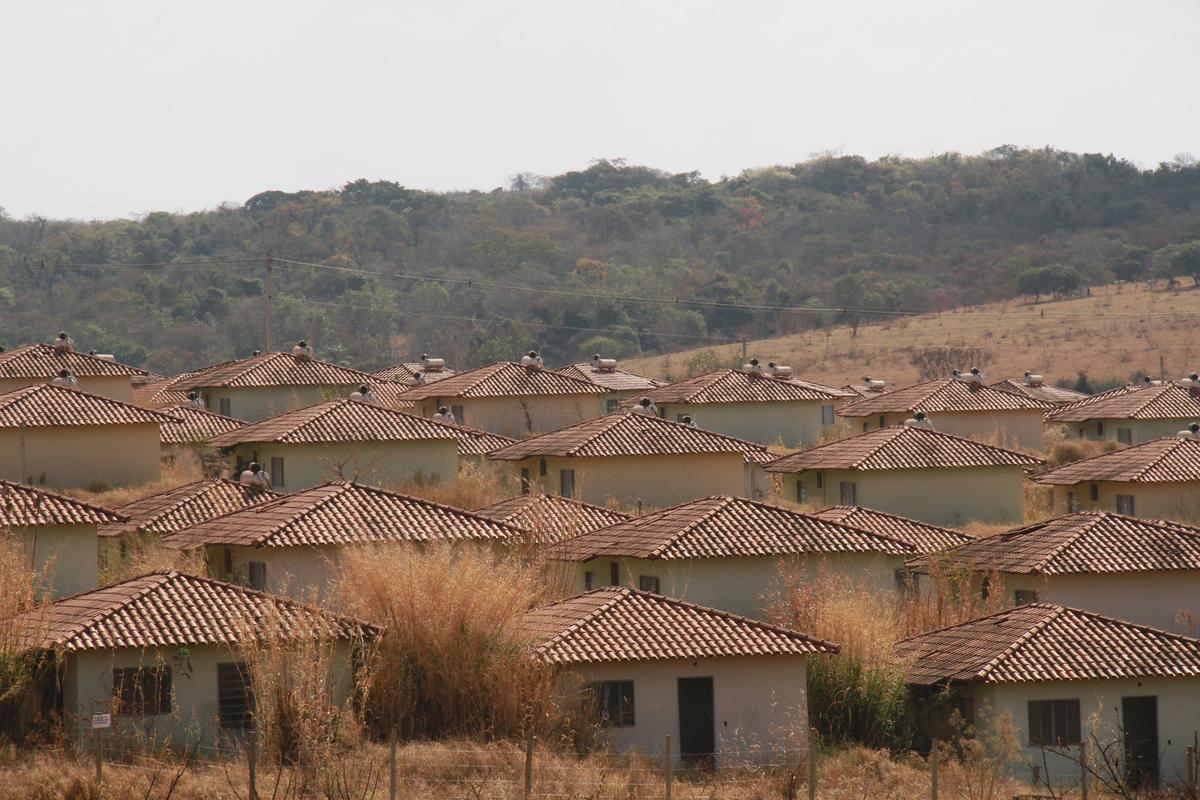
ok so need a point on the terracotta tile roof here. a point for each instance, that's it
(948, 395)
(44, 405)
(343, 513)
(159, 393)
(613, 380)
(1093, 398)
(549, 517)
(725, 527)
(505, 379)
(1041, 642)
(1165, 460)
(338, 421)
(1151, 402)
(902, 447)
(41, 361)
(406, 373)
(185, 506)
(474, 442)
(736, 386)
(921, 535)
(616, 624)
(274, 369)
(169, 609)
(22, 505)
(1086, 542)
(198, 425)
(1050, 394)
(626, 434)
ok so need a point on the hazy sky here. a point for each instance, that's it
(121, 107)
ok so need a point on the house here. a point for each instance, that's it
(921, 535)
(475, 444)
(344, 439)
(730, 553)
(616, 382)
(270, 384)
(958, 406)
(292, 544)
(550, 518)
(161, 653)
(149, 518)
(1146, 571)
(406, 373)
(184, 443)
(725, 688)
(635, 459)
(753, 405)
(1052, 668)
(1035, 386)
(57, 534)
(36, 364)
(512, 400)
(914, 472)
(158, 391)
(1132, 416)
(63, 437)
(1160, 478)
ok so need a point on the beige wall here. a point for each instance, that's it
(792, 424)
(88, 687)
(376, 463)
(1177, 501)
(255, 403)
(1141, 430)
(1022, 430)
(949, 497)
(79, 456)
(69, 553)
(517, 417)
(118, 387)
(655, 481)
(740, 585)
(757, 702)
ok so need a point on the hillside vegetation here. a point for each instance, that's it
(625, 260)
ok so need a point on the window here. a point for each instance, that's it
(1023, 597)
(801, 492)
(985, 589)
(223, 407)
(525, 480)
(866, 427)
(882, 421)
(1095, 489)
(614, 701)
(277, 472)
(1072, 502)
(541, 467)
(459, 416)
(228, 558)
(142, 690)
(1125, 504)
(826, 415)
(1125, 435)
(820, 481)
(849, 493)
(566, 482)
(614, 574)
(589, 581)
(680, 415)
(648, 583)
(258, 575)
(1100, 429)
(235, 698)
(1054, 722)
(612, 404)
(905, 581)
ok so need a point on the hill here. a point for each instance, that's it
(1116, 332)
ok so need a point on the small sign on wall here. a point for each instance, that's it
(101, 721)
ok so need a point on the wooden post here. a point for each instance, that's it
(933, 771)
(392, 785)
(1083, 771)
(98, 747)
(529, 766)
(252, 762)
(667, 766)
(270, 299)
(812, 763)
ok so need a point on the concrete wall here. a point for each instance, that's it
(88, 689)
(1177, 501)
(948, 497)
(1022, 430)
(656, 481)
(386, 464)
(255, 403)
(78, 456)
(1141, 430)
(794, 424)
(518, 417)
(757, 702)
(70, 554)
(740, 585)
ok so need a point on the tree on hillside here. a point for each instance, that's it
(1178, 260)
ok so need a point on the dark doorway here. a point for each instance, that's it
(697, 733)
(1139, 717)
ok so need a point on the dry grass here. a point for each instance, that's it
(1110, 334)
(170, 478)
(478, 485)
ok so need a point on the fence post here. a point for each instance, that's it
(252, 762)
(529, 765)
(933, 771)
(812, 763)
(392, 784)
(1083, 771)
(667, 766)
(98, 747)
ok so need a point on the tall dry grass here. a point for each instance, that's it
(23, 589)
(478, 485)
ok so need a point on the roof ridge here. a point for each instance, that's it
(1023, 639)
(24, 392)
(1074, 538)
(94, 619)
(619, 593)
(65, 497)
(723, 502)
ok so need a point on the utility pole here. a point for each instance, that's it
(270, 344)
